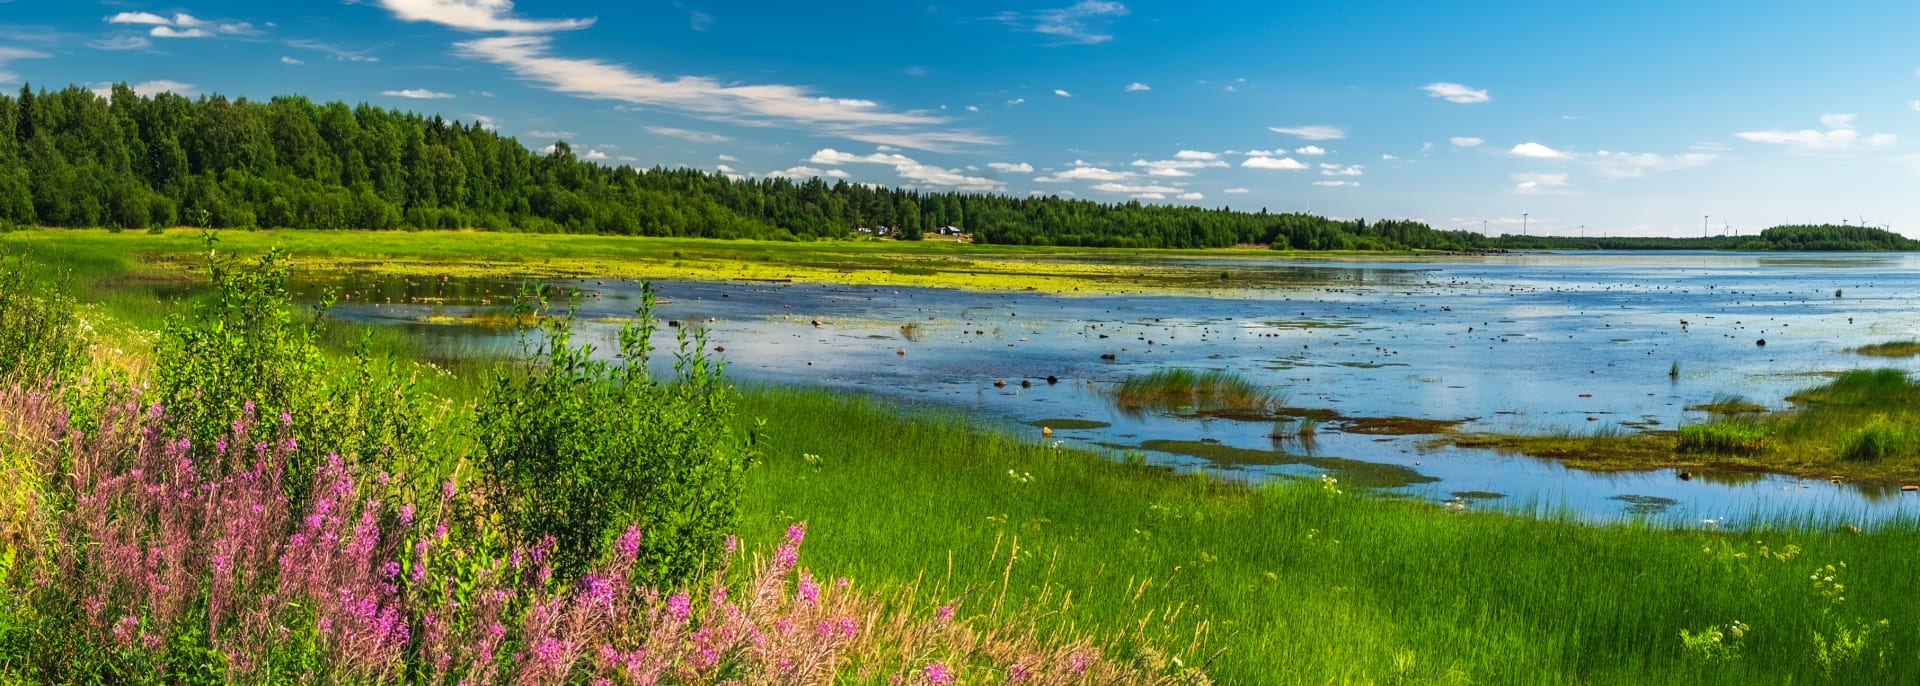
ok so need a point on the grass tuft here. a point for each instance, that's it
(1198, 391)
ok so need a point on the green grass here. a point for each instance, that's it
(1209, 391)
(1723, 437)
(1300, 585)
(1905, 348)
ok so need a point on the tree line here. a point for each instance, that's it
(123, 160)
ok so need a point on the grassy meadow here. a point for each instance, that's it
(1030, 547)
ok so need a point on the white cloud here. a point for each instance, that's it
(1148, 196)
(1196, 195)
(1840, 135)
(1131, 189)
(1341, 170)
(170, 32)
(148, 88)
(1137, 87)
(537, 133)
(1196, 155)
(1537, 151)
(485, 122)
(1336, 184)
(805, 172)
(1178, 166)
(688, 135)
(125, 42)
(729, 158)
(477, 15)
(1314, 150)
(417, 94)
(1466, 141)
(1017, 101)
(1631, 165)
(334, 51)
(1282, 163)
(1453, 92)
(1312, 133)
(594, 155)
(1062, 93)
(1235, 190)
(911, 170)
(1914, 105)
(529, 58)
(1086, 172)
(1084, 23)
(1011, 167)
(138, 18)
(8, 54)
(973, 108)
(1534, 183)
(291, 60)
(1388, 156)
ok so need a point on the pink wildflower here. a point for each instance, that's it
(937, 673)
(679, 606)
(809, 590)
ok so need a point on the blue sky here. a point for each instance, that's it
(1602, 118)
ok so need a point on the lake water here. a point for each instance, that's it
(1525, 343)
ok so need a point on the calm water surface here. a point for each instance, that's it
(1529, 343)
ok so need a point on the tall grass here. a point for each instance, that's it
(1203, 391)
(1298, 585)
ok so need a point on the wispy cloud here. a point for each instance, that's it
(1536, 151)
(1279, 163)
(1193, 195)
(1342, 169)
(1083, 171)
(1236, 191)
(1337, 184)
(1180, 166)
(806, 172)
(1137, 87)
(1466, 141)
(688, 134)
(1062, 93)
(121, 42)
(334, 51)
(911, 170)
(1453, 92)
(291, 60)
(1539, 184)
(1084, 23)
(1840, 135)
(1310, 150)
(529, 57)
(1312, 133)
(1011, 167)
(478, 15)
(537, 133)
(1634, 165)
(417, 94)
(9, 54)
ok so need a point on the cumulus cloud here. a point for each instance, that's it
(1083, 23)
(910, 169)
(417, 94)
(1062, 93)
(139, 18)
(1082, 171)
(148, 88)
(1011, 167)
(688, 135)
(806, 172)
(530, 58)
(1196, 155)
(1341, 170)
(477, 15)
(485, 122)
(1536, 183)
(1536, 151)
(1466, 141)
(180, 25)
(291, 60)
(1453, 92)
(1312, 133)
(1281, 163)
(1180, 166)
(1193, 195)
(1137, 87)
(1839, 135)
(1312, 150)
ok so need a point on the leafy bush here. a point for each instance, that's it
(242, 348)
(41, 335)
(574, 448)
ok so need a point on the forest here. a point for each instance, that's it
(127, 161)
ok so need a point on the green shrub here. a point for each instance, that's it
(41, 335)
(241, 347)
(1879, 440)
(576, 448)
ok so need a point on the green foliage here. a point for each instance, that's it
(1880, 440)
(576, 448)
(42, 337)
(1180, 389)
(241, 348)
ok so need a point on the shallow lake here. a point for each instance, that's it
(1523, 343)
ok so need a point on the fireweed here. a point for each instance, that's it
(157, 573)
